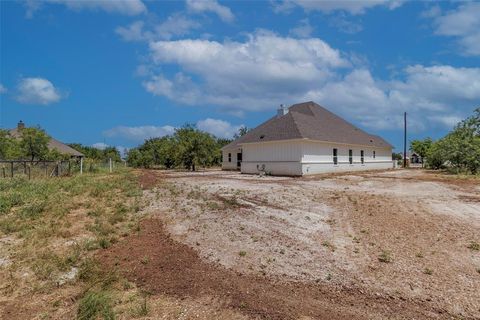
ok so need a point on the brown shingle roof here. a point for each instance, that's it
(309, 120)
(53, 144)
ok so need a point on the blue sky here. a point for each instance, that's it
(117, 72)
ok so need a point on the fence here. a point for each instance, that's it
(47, 169)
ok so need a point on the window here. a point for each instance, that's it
(373, 154)
(362, 157)
(229, 157)
(350, 156)
(335, 156)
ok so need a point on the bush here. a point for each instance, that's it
(95, 305)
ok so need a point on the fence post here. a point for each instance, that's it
(81, 165)
(69, 167)
(25, 167)
(29, 172)
(46, 169)
(11, 166)
(4, 175)
(110, 164)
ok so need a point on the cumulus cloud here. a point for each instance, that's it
(303, 29)
(174, 26)
(264, 67)
(125, 7)
(37, 91)
(3, 89)
(223, 12)
(462, 23)
(328, 6)
(139, 133)
(219, 128)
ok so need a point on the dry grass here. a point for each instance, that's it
(50, 229)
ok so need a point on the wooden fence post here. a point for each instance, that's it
(25, 167)
(11, 169)
(29, 172)
(110, 164)
(46, 169)
(81, 165)
(3, 169)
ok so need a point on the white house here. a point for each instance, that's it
(306, 139)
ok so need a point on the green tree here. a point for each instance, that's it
(421, 147)
(460, 149)
(241, 132)
(9, 146)
(194, 147)
(34, 143)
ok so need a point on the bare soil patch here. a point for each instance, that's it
(164, 266)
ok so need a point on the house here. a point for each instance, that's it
(53, 144)
(306, 139)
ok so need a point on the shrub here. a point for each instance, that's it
(95, 305)
(385, 256)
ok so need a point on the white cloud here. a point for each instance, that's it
(343, 24)
(126, 7)
(139, 133)
(174, 26)
(219, 128)
(303, 30)
(100, 145)
(37, 91)
(264, 67)
(199, 6)
(462, 23)
(447, 121)
(3, 89)
(353, 7)
(266, 70)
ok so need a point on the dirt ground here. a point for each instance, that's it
(392, 244)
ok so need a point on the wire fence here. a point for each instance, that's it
(48, 169)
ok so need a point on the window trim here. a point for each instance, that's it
(229, 157)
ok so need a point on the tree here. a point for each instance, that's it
(241, 132)
(34, 143)
(9, 146)
(459, 149)
(397, 156)
(421, 147)
(194, 147)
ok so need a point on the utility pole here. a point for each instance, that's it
(404, 139)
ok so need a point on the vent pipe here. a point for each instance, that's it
(282, 110)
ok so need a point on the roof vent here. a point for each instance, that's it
(282, 110)
(20, 125)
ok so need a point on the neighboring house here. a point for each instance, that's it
(414, 157)
(306, 139)
(53, 144)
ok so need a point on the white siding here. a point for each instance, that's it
(303, 157)
(230, 165)
(277, 158)
(318, 157)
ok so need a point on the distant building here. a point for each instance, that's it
(306, 139)
(53, 144)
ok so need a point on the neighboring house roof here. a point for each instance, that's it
(52, 144)
(309, 120)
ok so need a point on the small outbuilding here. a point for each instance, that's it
(306, 139)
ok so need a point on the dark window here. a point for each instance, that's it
(350, 156)
(335, 156)
(239, 159)
(229, 157)
(362, 155)
(373, 154)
